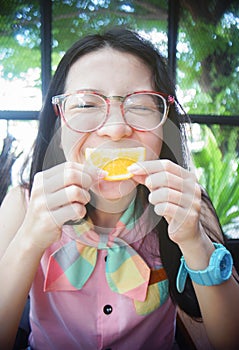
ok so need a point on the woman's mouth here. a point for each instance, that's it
(115, 160)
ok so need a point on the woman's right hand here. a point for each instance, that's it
(58, 195)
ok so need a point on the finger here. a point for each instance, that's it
(174, 213)
(140, 179)
(164, 179)
(179, 219)
(167, 210)
(188, 196)
(156, 166)
(48, 173)
(70, 194)
(165, 195)
(70, 173)
(72, 212)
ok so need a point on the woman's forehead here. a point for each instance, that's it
(105, 55)
(108, 66)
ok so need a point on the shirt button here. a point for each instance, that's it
(107, 309)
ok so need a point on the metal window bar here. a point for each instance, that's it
(46, 47)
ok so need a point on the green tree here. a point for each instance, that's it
(20, 26)
(208, 61)
(219, 174)
(207, 52)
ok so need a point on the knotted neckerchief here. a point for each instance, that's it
(71, 266)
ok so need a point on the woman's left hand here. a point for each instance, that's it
(175, 194)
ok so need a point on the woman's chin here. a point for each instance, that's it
(114, 190)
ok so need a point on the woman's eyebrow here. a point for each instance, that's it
(90, 90)
(84, 89)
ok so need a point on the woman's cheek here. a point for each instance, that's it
(153, 149)
(71, 143)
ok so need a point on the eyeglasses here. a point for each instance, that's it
(86, 111)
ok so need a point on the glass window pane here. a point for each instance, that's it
(216, 158)
(73, 19)
(20, 87)
(208, 60)
(20, 147)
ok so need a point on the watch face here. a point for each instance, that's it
(225, 265)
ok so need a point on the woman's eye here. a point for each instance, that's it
(140, 109)
(88, 105)
(82, 106)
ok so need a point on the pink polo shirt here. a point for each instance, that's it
(95, 317)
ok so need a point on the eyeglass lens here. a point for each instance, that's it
(85, 111)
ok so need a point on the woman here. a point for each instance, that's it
(101, 258)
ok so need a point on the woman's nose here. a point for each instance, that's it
(115, 126)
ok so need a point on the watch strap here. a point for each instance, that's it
(207, 277)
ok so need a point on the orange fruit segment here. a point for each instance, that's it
(115, 161)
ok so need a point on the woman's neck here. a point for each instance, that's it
(106, 213)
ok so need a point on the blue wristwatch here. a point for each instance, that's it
(218, 271)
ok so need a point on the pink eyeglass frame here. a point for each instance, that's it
(58, 99)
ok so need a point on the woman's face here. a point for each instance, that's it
(111, 73)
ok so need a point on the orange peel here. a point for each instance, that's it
(115, 161)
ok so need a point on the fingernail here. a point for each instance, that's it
(133, 168)
(102, 173)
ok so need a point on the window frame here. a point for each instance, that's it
(46, 68)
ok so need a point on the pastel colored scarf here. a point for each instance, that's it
(127, 273)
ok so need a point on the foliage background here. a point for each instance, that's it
(207, 64)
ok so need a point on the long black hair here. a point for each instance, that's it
(173, 148)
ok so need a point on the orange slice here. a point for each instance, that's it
(115, 161)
